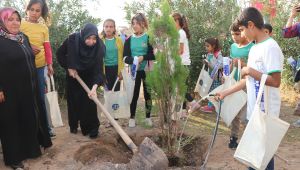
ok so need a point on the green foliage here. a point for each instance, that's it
(167, 80)
(290, 46)
(206, 18)
(67, 16)
(18, 5)
(148, 7)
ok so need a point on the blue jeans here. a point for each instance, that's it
(42, 88)
(269, 167)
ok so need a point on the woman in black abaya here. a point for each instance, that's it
(22, 124)
(82, 53)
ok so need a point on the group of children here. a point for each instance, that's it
(263, 56)
(257, 52)
(253, 47)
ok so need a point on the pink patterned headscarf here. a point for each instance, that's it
(5, 13)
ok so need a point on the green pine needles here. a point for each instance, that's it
(167, 80)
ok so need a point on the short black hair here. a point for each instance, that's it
(251, 14)
(234, 27)
(268, 27)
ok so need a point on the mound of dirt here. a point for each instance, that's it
(106, 149)
(111, 148)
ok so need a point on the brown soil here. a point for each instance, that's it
(78, 152)
(103, 151)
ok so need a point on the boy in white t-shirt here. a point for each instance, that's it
(265, 57)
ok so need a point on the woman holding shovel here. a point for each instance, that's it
(82, 54)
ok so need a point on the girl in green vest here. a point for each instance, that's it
(137, 48)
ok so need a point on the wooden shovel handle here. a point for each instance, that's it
(118, 128)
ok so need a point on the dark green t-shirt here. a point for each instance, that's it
(139, 47)
(111, 55)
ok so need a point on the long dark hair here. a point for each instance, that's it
(140, 19)
(44, 6)
(182, 23)
(214, 42)
(108, 20)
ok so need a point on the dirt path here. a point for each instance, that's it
(77, 152)
(288, 153)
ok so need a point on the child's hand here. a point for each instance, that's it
(205, 61)
(35, 49)
(2, 97)
(294, 11)
(219, 96)
(141, 58)
(120, 76)
(50, 70)
(235, 62)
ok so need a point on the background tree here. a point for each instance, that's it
(66, 17)
(206, 18)
(289, 46)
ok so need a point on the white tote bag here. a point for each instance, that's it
(233, 103)
(52, 106)
(129, 83)
(204, 82)
(262, 135)
(116, 102)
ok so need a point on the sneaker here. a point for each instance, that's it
(194, 106)
(132, 123)
(233, 143)
(207, 109)
(18, 166)
(148, 122)
(297, 123)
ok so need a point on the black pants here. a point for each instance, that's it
(271, 165)
(80, 107)
(140, 76)
(111, 74)
(188, 97)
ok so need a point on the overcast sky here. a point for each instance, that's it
(109, 9)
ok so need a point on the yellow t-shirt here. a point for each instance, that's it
(37, 33)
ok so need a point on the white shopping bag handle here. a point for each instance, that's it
(233, 72)
(50, 81)
(113, 89)
(239, 68)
